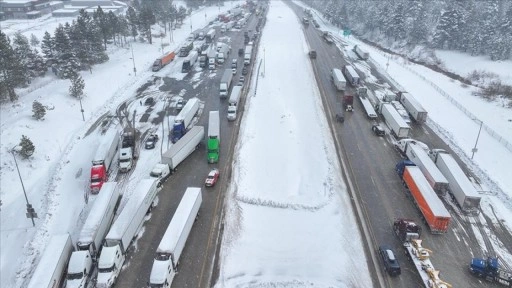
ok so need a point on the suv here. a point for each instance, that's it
(391, 264)
(378, 130)
(312, 54)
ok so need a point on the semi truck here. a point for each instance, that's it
(162, 61)
(234, 98)
(80, 270)
(210, 36)
(99, 219)
(103, 159)
(338, 79)
(223, 53)
(186, 48)
(409, 233)
(248, 55)
(225, 83)
(401, 110)
(189, 62)
(491, 270)
(362, 92)
(416, 152)
(51, 268)
(429, 204)
(214, 136)
(127, 151)
(351, 75)
(459, 186)
(184, 119)
(171, 246)
(361, 53)
(183, 147)
(413, 107)
(123, 231)
(203, 59)
(395, 122)
(348, 102)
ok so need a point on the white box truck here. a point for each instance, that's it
(459, 185)
(51, 268)
(338, 79)
(171, 246)
(99, 219)
(395, 122)
(234, 98)
(351, 75)
(361, 53)
(225, 83)
(416, 152)
(413, 107)
(183, 147)
(123, 231)
(248, 55)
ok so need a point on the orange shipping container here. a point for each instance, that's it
(433, 210)
(168, 58)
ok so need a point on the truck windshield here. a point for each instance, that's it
(95, 180)
(155, 174)
(106, 270)
(74, 276)
(151, 285)
(124, 160)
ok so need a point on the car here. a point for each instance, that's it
(149, 101)
(234, 63)
(312, 54)
(245, 71)
(180, 104)
(391, 264)
(241, 79)
(378, 130)
(233, 70)
(151, 141)
(212, 178)
(241, 52)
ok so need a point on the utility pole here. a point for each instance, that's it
(81, 108)
(133, 60)
(30, 211)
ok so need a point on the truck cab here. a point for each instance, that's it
(79, 269)
(161, 172)
(231, 113)
(109, 266)
(211, 64)
(162, 274)
(125, 159)
(98, 177)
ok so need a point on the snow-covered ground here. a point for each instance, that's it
(57, 176)
(289, 222)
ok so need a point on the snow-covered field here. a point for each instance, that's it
(57, 176)
(289, 222)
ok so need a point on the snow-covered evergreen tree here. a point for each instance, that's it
(133, 21)
(34, 42)
(101, 20)
(39, 110)
(48, 47)
(10, 66)
(27, 147)
(22, 51)
(146, 19)
(77, 86)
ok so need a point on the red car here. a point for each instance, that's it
(212, 178)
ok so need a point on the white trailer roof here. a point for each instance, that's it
(428, 193)
(124, 219)
(97, 212)
(214, 124)
(179, 219)
(338, 75)
(180, 144)
(186, 109)
(417, 106)
(105, 144)
(462, 179)
(368, 107)
(350, 70)
(235, 94)
(396, 116)
(427, 163)
(50, 258)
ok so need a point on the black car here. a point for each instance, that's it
(151, 141)
(312, 54)
(391, 264)
(149, 101)
(241, 52)
(378, 130)
(245, 71)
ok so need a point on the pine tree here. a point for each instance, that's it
(133, 21)
(101, 20)
(39, 110)
(146, 19)
(27, 147)
(22, 50)
(77, 87)
(37, 66)
(48, 47)
(34, 41)
(113, 23)
(11, 74)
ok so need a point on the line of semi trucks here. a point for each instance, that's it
(427, 174)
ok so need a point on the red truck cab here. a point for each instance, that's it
(98, 177)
